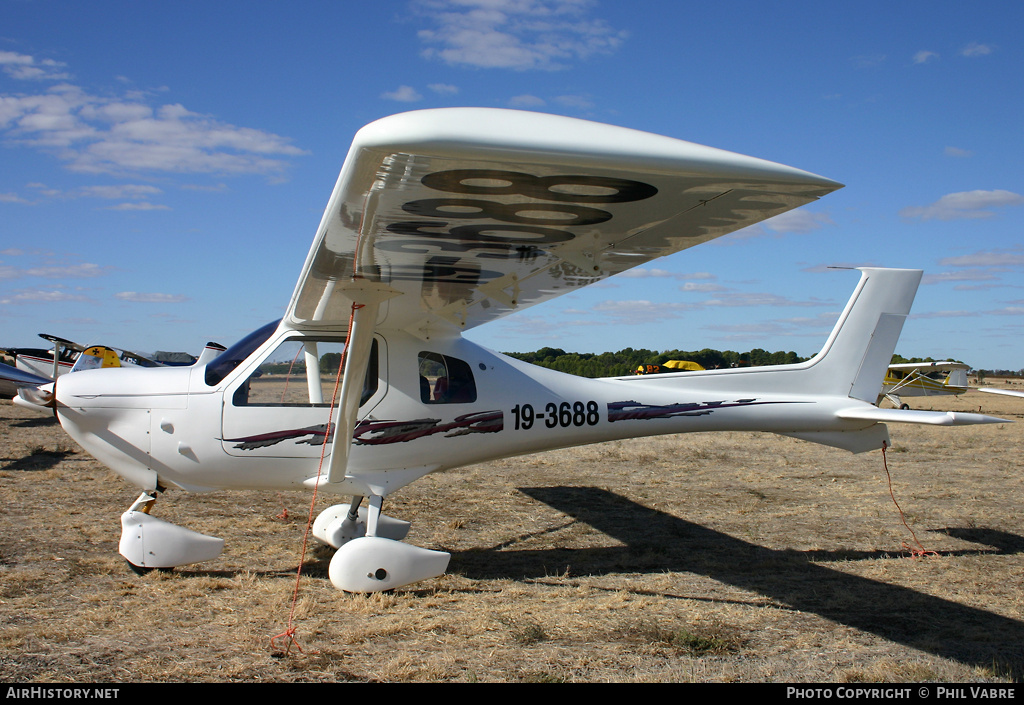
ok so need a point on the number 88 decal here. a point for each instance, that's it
(604, 189)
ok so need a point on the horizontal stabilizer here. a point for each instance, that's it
(935, 418)
(1007, 392)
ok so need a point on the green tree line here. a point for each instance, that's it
(626, 361)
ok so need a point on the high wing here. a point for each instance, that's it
(944, 366)
(455, 217)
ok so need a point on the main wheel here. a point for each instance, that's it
(375, 564)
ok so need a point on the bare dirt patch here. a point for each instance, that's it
(725, 557)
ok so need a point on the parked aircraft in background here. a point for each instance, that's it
(669, 366)
(923, 379)
(60, 358)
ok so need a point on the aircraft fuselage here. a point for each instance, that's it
(169, 426)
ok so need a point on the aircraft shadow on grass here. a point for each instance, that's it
(658, 542)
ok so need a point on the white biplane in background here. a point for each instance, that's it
(441, 221)
(923, 379)
(46, 362)
(35, 366)
(65, 356)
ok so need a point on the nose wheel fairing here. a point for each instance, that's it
(150, 542)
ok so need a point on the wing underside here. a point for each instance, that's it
(457, 217)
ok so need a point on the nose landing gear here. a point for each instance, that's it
(148, 542)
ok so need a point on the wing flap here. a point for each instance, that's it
(470, 214)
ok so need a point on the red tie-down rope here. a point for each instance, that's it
(289, 633)
(920, 551)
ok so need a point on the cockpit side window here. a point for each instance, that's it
(302, 372)
(445, 380)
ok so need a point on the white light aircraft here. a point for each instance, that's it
(923, 379)
(441, 221)
(50, 362)
(65, 356)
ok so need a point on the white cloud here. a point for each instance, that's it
(757, 299)
(964, 204)
(976, 49)
(967, 275)
(645, 273)
(957, 152)
(796, 327)
(797, 221)
(944, 314)
(514, 34)
(26, 68)
(640, 311)
(526, 101)
(443, 88)
(85, 270)
(119, 191)
(110, 135)
(923, 57)
(867, 61)
(980, 271)
(151, 298)
(1001, 258)
(143, 206)
(702, 288)
(28, 296)
(578, 102)
(403, 94)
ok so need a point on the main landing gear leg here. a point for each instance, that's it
(376, 561)
(148, 542)
(339, 524)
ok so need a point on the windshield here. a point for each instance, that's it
(231, 358)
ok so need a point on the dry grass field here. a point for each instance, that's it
(727, 557)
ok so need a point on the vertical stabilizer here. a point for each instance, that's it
(859, 350)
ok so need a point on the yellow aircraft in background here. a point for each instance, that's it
(923, 379)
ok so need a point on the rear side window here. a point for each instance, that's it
(445, 380)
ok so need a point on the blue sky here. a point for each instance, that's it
(165, 166)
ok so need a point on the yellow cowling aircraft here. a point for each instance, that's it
(923, 379)
(669, 366)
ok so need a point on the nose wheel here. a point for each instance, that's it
(148, 542)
